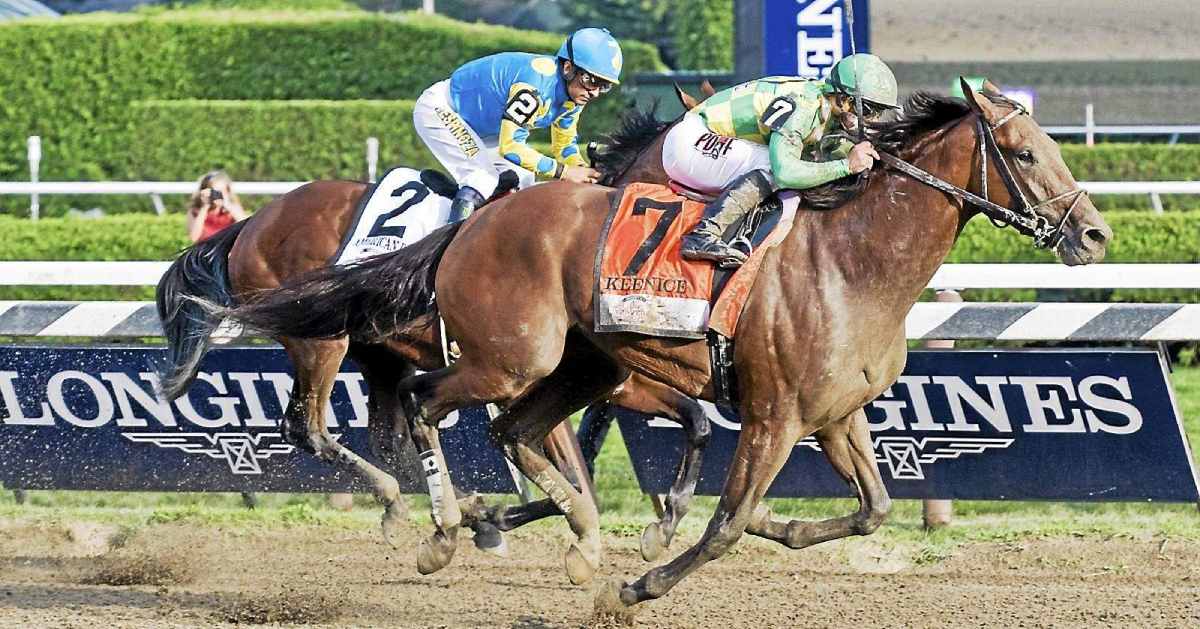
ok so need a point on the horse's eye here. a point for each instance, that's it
(1026, 157)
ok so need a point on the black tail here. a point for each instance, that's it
(368, 300)
(200, 272)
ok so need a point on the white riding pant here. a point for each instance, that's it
(468, 158)
(708, 162)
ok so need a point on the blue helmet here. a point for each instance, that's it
(594, 50)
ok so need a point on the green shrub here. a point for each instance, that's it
(294, 140)
(92, 69)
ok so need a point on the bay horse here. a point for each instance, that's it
(822, 333)
(301, 231)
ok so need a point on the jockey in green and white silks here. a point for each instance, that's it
(477, 122)
(763, 135)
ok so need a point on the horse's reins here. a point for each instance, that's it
(1024, 218)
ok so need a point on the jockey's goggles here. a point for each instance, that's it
(591, 82)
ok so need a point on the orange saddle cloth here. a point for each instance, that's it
(644, 285)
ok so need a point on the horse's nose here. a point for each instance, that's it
(1097, 236)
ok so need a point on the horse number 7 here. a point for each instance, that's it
(670, 211)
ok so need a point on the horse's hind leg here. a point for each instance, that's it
(847, 445)
(317, 363)
(583, 376)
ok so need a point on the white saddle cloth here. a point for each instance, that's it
(397, 212)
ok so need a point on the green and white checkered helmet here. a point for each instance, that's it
(878, 84)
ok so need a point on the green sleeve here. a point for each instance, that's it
(792, 171)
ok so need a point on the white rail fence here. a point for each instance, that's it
(155, 189)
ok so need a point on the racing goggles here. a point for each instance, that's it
(593, 83)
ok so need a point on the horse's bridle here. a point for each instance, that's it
(1024, 218)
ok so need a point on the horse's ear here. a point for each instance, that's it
(991, 89)
(970, 95)
(687, 100)
(707, 88)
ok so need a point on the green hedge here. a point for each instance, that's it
(272, 140)
(1136, 162)
(91, 69)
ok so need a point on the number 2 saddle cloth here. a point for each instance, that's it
(394, 213)
(644, 285)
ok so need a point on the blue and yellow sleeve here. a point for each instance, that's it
(564, 139)
(520, 111)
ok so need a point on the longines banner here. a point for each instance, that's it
(87, 418)
(1002, 425)
(1067, 425)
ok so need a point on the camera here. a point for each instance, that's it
(214, 194)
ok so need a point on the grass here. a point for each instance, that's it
(625, 510)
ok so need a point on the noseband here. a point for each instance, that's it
(1024, 217)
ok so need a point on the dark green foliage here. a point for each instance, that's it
(702, 32)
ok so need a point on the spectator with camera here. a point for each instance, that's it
(213, 207)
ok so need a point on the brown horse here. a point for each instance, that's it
(301, 231)
(821, 335)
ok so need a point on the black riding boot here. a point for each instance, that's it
(705, 242)
(465, 202)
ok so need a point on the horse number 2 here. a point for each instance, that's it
(381, 228)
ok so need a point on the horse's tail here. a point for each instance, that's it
(368, 300)
(199, 273)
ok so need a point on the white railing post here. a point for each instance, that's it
(427, 7)
(372, 158)
(1156, 202)
(34, 147)
(1089, 123)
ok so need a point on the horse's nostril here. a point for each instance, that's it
(1096, 235)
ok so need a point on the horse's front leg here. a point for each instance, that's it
(317, 363)
(762, 449)
(847, 445)
(437, 550)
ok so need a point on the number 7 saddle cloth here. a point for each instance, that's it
(644, 285)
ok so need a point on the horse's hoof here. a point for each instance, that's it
(580, 569)
(653, 542)
(394, 517)
(607, 605)
(434, 553)
(490, 540)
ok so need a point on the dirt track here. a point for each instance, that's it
(361, 582)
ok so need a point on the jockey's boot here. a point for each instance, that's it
(705, 242)
(465, 202)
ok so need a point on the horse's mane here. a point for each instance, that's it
(638, 129)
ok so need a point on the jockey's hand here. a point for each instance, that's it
(580, 174)
(862, 157)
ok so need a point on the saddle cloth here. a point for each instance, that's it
(644, 285)
(396, 212)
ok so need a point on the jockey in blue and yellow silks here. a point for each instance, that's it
(477, 122)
